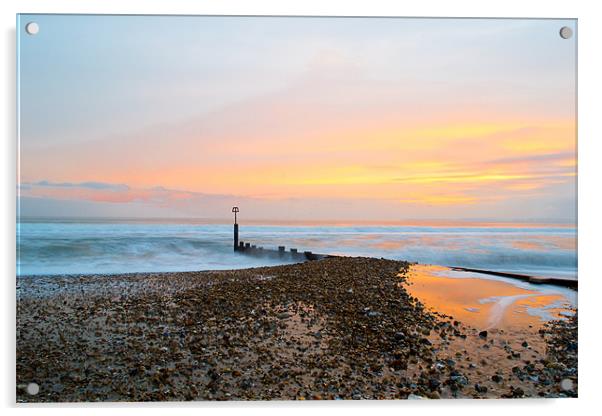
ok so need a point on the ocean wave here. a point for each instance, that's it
(65, 248)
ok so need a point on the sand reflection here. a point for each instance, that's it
(484, 303)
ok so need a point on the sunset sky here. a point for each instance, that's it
(297, 118)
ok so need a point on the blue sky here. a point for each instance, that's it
(172, 102)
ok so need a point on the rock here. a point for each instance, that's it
(567, 384)
(459, 379)
(434, 383)
(283, 315)
(434, 395)
(517, 392)
(483, 334)
(398, 365)
(480, 389)
(497, 378)
(525, 344)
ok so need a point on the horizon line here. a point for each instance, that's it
(228, 220)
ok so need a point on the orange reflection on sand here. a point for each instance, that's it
(476, 302)
(537, 302)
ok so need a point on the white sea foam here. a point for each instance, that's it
(115, 247)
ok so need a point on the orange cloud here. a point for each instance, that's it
(446, 160)
(440, 200)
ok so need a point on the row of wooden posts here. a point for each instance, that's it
(248, 248)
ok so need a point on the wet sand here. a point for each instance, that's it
(339, 328)
(486, 303)
(505, 351)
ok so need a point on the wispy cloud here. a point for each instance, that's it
(547, 157)
(109, 192)
(87, 185)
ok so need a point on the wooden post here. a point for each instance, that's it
(235, 237)
(235, 211)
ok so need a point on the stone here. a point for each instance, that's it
(434, 383)
(480, 389)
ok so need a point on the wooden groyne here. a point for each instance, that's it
(572, 283)
(281, 253)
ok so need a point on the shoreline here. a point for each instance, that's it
(338, 328)
(530, 278)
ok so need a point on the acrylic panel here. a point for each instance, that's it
(295, 208)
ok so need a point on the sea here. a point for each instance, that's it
(110, 246)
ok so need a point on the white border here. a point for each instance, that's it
(590, 207)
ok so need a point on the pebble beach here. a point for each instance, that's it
(336, 329)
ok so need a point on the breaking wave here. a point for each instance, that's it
(74, 248)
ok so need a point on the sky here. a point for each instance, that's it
(297, 118)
